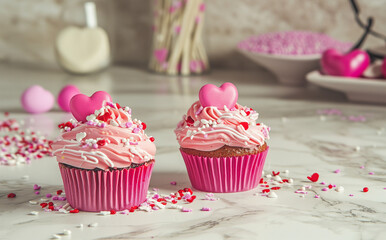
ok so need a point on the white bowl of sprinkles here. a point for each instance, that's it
(289, 55)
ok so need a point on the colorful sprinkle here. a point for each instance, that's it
(11, 195)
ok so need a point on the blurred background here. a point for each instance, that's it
(28, 29)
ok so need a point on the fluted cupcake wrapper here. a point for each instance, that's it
(225, 174)
(94, 191)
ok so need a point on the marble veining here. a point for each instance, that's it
(302, 141)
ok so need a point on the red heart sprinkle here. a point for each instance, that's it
(59, 192)
(43, 205)
(74, 210)
(144, 125)
(261, 180)
(50, 204)
(275, 188)
(11, 195)
(365, 189)
(245, 125)
(118, 106)
(314, 177)
(51, 208)
(189, 121)
(174, 201)
(112, 212)
(248, 112)
(151, 139)
(330, 186)
(266, 190)
(285, 180)
(275, 173)
(163, 203)
(101, 142)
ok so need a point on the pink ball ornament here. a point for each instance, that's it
(36, 99)
(65, 96)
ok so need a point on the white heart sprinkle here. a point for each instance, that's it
(80, 136)
(272, 195)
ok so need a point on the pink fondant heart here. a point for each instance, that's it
(352, 64)
(81, 105)
(383, 68)
(65, 96)
(161, 54)
(36, 99)
(213, 96)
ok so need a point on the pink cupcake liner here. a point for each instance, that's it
(95, 191)
(225, 174)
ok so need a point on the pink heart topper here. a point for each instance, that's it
(352, 64)
(81, 105)
(213, 96)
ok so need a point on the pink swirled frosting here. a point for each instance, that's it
(209, 128)
(109, 139)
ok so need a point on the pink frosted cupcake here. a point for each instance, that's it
(105, 158)
(223, 146)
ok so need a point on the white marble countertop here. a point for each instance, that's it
(302, 142)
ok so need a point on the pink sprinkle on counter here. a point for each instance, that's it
(186, 210)
(205, 209)
(337, 171)
(173, 183)
(371, 173)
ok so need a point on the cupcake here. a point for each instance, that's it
(105, 157)
(223, 146)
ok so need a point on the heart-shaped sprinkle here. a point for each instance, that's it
(81, 105)
(314, 177)
(352, 64)
(36, 99)
(245, 125)
(65, 96)
(213, 96)
(80, 136)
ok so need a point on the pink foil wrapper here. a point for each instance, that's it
(225, 174)
(95, 191)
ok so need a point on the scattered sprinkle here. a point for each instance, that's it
(173, 183)
(337, 171)
(339, 189)
(186, 210)
(362, 167)
(371, 173)
(272, 195)
(11, 195)
(56, 236)
(351, 195)
(365, 189)
(93, 224)
(205, 209)
(66, 232)
(314, 177)
(34, 213)
(324, 189)
(316, 196)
